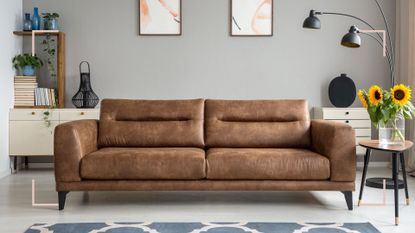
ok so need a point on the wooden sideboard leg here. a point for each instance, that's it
(348, 195)
(62, 199)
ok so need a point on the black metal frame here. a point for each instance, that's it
(395, 175)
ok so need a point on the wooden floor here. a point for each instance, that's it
(17, 214)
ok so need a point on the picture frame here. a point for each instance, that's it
(253, 18)
(160, 17)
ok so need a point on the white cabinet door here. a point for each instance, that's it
(31, 138)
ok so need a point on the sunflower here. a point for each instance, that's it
(362, 98)
(401, 94)
(375, 95)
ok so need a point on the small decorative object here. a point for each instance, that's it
(251, 18)
(342, 91)
(27, 63)
(27, 23)
(36, 19)
(388, 111)
(160, 17)
(85, 97)
(50, 21)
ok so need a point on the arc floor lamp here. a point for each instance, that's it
(353, 40)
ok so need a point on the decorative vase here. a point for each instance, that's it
(393, 132)
(27, 23)
(50, 24)
(28, 71)
(36, 19)
(85, 97)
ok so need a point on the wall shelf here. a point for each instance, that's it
(61, 63)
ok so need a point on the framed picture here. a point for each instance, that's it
(160, 17)
(251, 17)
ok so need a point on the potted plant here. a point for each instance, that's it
(50, 21)
(388, 111)
(27, 63)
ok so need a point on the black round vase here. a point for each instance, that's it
(342, 91)
(85, 97)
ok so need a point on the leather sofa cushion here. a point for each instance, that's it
(266, 164)
(151, 123)
(144, 163)
(257, 124)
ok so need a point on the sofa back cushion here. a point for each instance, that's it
(151, 123)
(257, 123)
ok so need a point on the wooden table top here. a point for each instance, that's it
(374, 144)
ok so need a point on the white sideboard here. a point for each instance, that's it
(358, 118)
(29, 134)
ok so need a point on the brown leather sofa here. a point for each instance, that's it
(170, 145)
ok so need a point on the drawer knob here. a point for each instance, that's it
(347, 113)
(347, 122)
(33, 113)
(82, 113)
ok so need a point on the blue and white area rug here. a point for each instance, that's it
(242, 227)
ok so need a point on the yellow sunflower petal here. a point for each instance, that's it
(362, 98)
(401, 94)
(375, 95)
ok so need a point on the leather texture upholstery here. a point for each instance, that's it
(337, 142)
(151, 123)
(257, 123)
(266, 164)
(72, 141)
(204, 145)
(144, 164)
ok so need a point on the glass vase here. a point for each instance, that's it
(27, 23)
(393, 132)
(36, 19)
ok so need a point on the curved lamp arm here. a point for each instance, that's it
(387, 54)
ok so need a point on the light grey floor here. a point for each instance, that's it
(16, 213)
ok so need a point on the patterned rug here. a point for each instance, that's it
(242, 227)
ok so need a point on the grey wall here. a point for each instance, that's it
(206, 62)
(10, 45)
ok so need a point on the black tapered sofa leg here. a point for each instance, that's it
(348, 195)
(62, 199)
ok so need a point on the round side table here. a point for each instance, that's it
(397, 151)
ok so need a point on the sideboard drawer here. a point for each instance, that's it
(363, 132)
(345, 114)
(78, 114)
(28, 138)
(357, 123)
(32, 115)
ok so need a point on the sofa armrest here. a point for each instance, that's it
(336, 141)
(73, 140)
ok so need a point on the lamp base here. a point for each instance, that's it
(377, 182)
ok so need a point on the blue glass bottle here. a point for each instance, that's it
(36, 19)
(27, 23)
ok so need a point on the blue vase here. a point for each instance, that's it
(27, 23)
(28, 71)
(36, 19)
(51, 24)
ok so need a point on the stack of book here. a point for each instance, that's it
(45, 97)
(24, 91)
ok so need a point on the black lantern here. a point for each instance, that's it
(85, 97)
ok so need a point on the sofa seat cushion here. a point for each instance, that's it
(144, 164)
(266, 164)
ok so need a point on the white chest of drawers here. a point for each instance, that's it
(358, 118)
(29, 134)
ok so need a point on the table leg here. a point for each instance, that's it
(26, 162)
(395, 174)
(366, 164)
(15, 163)
(404, 177)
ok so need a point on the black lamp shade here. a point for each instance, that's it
(352, 38)
(312, 22)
